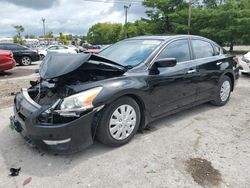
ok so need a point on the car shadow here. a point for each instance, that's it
(16, 153)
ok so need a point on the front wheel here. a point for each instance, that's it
(223, 92)
(25, 61)
(119, 122)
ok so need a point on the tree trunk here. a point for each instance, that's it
(167, 25)
(231, 46)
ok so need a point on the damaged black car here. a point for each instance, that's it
(109, 96)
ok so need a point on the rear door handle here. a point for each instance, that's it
(191, 71)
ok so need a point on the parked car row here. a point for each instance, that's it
(56, 49)
(22, 55)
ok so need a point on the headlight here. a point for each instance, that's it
(81, 101)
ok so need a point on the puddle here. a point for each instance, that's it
(203, 172)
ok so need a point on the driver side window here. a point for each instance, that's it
(178, 49)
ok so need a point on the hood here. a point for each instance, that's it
(55, 65)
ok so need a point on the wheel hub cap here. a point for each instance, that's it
(25, 60)
(225, 91)
(122, 122)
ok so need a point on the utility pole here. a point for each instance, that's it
(189, 16)
(43, 20)
(126, 7)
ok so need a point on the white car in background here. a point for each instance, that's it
(244, 63)
(57, 49)
(73, 47)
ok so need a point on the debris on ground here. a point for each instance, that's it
(203, 172)
(151, 172)
(27, 181)
(14, 171)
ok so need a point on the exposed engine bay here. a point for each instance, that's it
(48, 91)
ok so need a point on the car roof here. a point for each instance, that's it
(164, 37)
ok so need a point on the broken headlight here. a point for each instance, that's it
(80, 101)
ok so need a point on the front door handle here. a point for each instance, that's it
(191, 71)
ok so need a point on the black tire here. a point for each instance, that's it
(245, 73)
(218, 99)
(103, 133)
(25, 61)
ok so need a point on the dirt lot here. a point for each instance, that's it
(206, 146)
(8, 89)
(13, 80)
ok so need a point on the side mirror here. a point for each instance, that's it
(165, 62)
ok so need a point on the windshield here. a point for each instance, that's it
(130, 52)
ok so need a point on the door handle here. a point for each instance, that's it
(191, 71)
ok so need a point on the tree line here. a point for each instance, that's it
(225, 21)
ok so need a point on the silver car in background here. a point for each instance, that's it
(244, 63)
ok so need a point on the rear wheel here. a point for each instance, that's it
(119, 122)
(25, 61)
(223, 91)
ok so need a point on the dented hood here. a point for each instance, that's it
(55, 65)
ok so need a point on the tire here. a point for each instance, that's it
(42, 56)
(114, 130)
(224, 86)
(245, 73)
(25, 61)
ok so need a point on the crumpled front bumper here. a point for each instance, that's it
(61, 138)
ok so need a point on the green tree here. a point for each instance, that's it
(224, 21)
(63, 38)
(50, 35)
(30, 36)
(18, 38)
(160, 10)
(104, 33)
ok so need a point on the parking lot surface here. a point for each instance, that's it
(205, 146)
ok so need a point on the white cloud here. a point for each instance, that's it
(75, 16)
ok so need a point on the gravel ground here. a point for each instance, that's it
(13, 80)
(205, 146)
(8, 88)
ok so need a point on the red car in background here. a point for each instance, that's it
(92, 51)
(6, 60)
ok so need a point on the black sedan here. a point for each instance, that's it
(22, 55)
(110, 96)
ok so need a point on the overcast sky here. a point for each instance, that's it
(67, 16)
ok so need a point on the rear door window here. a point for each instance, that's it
(178, 49)
(53, 48)
(10, 47)
(202, 49)
(19, 47)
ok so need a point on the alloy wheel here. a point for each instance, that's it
(26, 61)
